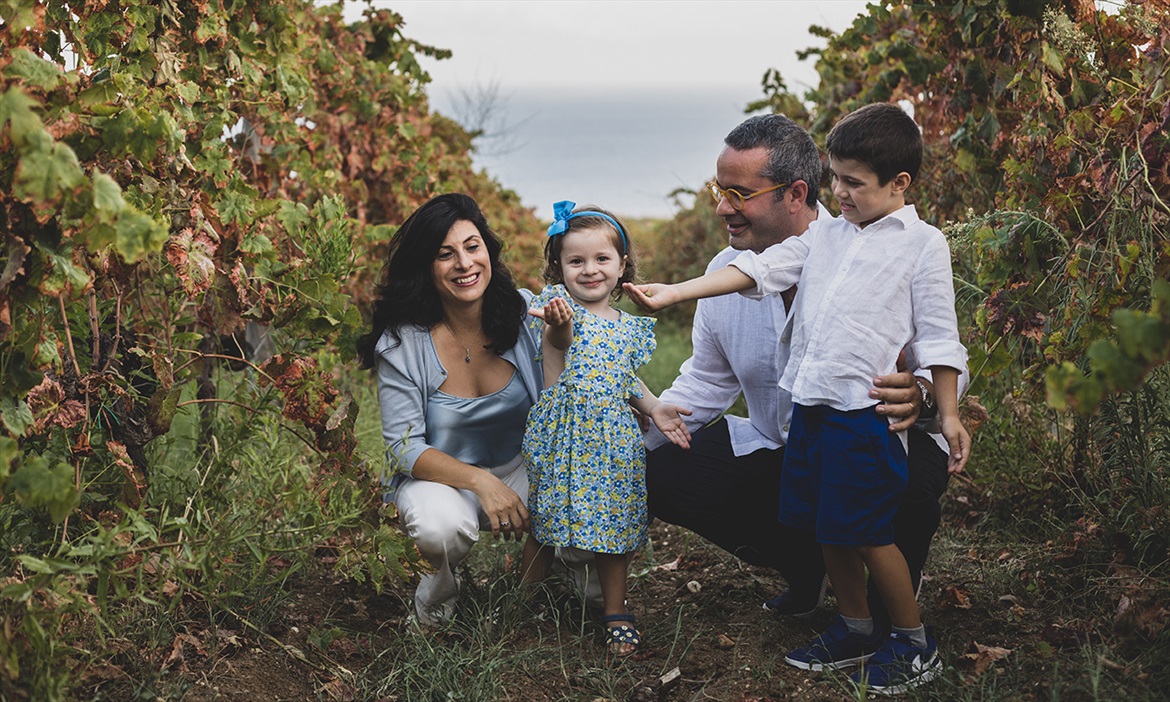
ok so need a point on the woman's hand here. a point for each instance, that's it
(669, 421)
(505, 509)
(652, 297)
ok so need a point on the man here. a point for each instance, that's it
(726, 487)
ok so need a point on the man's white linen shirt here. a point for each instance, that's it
(864, 294)
(739, 346)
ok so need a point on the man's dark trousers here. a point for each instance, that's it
(734, 501)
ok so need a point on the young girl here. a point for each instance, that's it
(586, 461)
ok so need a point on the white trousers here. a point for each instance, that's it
(445, 523)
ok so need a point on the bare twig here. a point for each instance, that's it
(117, 327)
(199, 355)
(95, 328)
(69, 340)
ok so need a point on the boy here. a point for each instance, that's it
(881, 278)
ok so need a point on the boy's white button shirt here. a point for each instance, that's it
(863, 295)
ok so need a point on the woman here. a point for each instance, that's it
(457, 374)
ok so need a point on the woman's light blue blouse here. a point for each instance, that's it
(483, 431)
(409, 374)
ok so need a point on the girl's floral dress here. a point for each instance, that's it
(586, 461)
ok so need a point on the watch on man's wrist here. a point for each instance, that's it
(928, 409)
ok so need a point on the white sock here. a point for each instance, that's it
(917, 635)
(860, 627)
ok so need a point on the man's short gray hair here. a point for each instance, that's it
(792, 155)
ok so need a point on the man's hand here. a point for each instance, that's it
(899, 397)
(669, 421)
(652, 297)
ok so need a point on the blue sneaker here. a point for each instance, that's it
(834, 648)
(899, 666)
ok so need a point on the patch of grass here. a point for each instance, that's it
(674, 347)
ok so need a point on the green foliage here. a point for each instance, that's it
(207, 176)
(680, 248)
(1046, 142)
(1046, 128)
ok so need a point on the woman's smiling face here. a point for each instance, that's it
(462, 267)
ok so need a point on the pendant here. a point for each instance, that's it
(467, 358)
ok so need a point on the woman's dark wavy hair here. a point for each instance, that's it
(407, 292)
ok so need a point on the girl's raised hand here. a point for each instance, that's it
(556, 313)
(652, 297)
(669, 421)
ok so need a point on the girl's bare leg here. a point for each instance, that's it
(612, 569)
(535, 562)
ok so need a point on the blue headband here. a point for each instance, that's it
(563, 212)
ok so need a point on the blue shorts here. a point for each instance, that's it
(844, 476)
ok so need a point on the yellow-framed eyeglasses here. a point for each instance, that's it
(734, 197)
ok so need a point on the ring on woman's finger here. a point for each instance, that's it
(505, 524)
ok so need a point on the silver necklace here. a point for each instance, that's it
(467, 357)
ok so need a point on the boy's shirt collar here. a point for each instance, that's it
(906, 215)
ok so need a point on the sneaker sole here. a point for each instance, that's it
(835, 665)
(798, 615)
(930, 672)
(809, 613)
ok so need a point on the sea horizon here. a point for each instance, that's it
(623, 150)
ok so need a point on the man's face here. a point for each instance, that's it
(764, 220)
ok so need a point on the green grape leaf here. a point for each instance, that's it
(293, 216)
(257, 244)
(34, 70)
(47, 171)
(9, 452)
(234, 207)
(15, 415)
(138, 235)
(37, 484)
(16, 109)
(63, 275)
(128, 131)
(100, 94)
(107, 195)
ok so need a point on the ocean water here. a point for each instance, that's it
(624, 151)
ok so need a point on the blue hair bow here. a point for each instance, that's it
(563, 212)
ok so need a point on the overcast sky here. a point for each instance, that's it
(612, 102)
(619, 43)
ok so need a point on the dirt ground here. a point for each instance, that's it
(699, 610)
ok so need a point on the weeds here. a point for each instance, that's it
(202, 562)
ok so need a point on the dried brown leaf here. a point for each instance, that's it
(979, 657)
(956, 597)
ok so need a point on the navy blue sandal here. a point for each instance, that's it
(621, 634)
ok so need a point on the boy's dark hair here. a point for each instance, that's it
(882, 136)
(621, 242)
